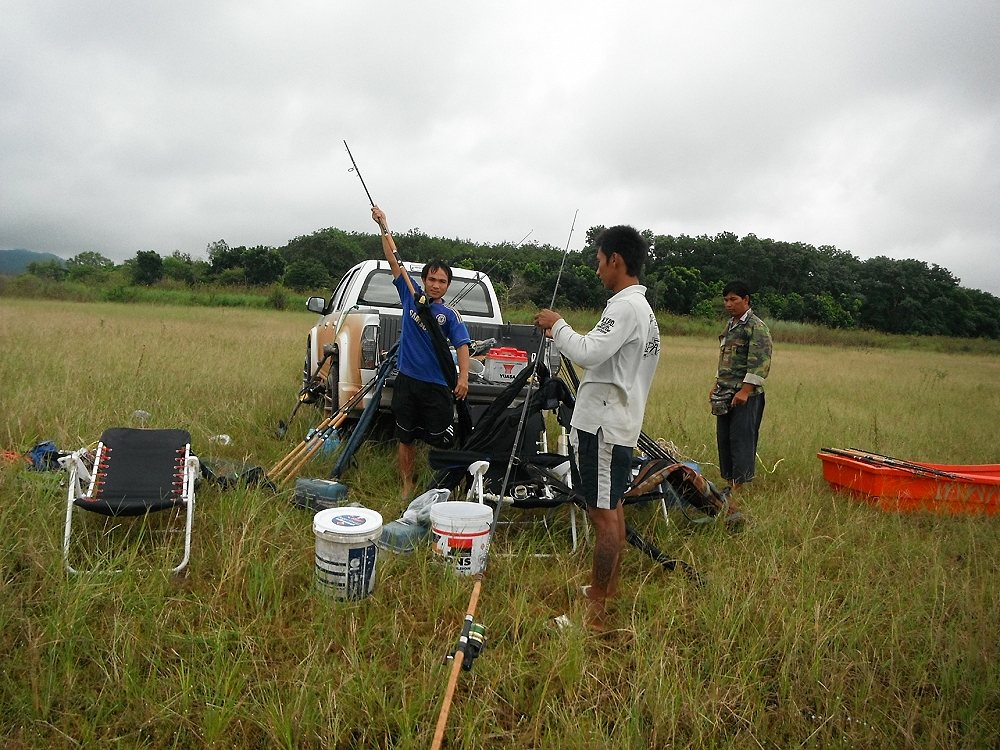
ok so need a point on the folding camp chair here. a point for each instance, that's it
(543, 482)
(135, 472)
(538, 480)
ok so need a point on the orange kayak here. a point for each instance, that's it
(893, 484)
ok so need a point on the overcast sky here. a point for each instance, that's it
(871, 126)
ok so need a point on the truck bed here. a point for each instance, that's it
(521, 336)
(517, 335)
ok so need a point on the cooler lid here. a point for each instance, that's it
(507, 352)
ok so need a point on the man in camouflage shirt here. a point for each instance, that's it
(737, 397)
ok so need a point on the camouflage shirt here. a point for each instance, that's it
(745, 353)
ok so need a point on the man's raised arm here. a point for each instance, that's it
(388, 244)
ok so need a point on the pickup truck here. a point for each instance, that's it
(361, 321)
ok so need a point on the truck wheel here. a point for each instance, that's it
(306, 368)
(309, 394)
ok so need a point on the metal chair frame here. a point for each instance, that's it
(180, 493)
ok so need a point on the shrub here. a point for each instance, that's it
(278, 298)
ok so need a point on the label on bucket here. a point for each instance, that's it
(461, 533)
(348, 520)
(360, 571)
(347, 572)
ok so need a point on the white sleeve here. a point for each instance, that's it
(604, 339)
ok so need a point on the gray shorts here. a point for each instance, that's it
(602, 471)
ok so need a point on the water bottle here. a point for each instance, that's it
(220, 439)
(331, 443)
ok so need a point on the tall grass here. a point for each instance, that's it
(825, 624)
(165, 292)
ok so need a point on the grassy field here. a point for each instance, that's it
(825, 624)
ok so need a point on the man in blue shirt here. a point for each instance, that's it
(422, 401)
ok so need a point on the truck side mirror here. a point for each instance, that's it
(316, 305)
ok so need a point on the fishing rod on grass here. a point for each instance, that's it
(288, 466)
(472, 637)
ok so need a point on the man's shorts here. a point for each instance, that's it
(602, 470)
(423, 410)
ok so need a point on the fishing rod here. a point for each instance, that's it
(538, 357)
(878, 459)
(310, 445)
(358, 173)
(471, 637)
(423, 310)
(312, 387)
(385, 231)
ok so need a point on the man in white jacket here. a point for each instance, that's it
(619, 357)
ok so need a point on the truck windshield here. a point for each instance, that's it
(378, 291)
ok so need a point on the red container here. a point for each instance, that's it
(504, 363)
(891, 484)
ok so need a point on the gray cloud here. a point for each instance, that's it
(870, 126)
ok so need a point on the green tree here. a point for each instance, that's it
(181, 267)
(89, 266)
(825, 310)
(264, 265)
(54, 270)
(899, 296)
(337, 250)
(146, 268)
(579, 287)
(678, 288)
(221, 257)
(301, 275)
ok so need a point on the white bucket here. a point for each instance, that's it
(346, 551)
(461, 531)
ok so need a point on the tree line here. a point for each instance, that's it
(684, 275)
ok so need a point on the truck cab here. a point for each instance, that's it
(362, 320)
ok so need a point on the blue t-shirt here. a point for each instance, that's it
(416, 349)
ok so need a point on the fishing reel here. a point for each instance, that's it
(475, 646)
(471, 643)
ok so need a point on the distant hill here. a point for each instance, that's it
(15, 262)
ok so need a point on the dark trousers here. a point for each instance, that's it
(736, 434)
